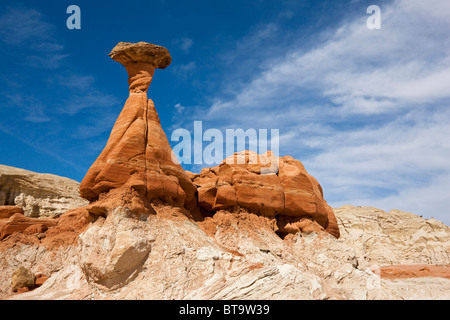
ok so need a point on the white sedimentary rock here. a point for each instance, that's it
(40, 195)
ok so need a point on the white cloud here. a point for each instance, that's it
(92, 99)
(46, 61)
(75, 81)
(27, 29)
(184, 69)
(365, 110)
(31, 109)
(83, 95)
(178, 108)
(20, 25)
(185, 44)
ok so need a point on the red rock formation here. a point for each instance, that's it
(138, 148)
(414, 271)
(19, 223)
(70, 225)
(7, 212)
(55, 232)
(36, 228)
(40, 280)
(291, 195)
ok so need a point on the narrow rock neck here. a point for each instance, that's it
(140, 76)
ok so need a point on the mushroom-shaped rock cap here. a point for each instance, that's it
(141, 52)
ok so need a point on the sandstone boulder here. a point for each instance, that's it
(230, 256)
(112, 250)
(290, 194)
(21, 278)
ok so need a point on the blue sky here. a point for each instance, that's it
(366, 111)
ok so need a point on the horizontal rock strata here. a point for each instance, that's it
(39, 195)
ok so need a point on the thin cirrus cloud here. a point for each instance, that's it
(184, 43)
(27, 29)
(18, 26)
(87, 100)
(46, 61)
(365, 110)
(30, 108)
(184, 70)
(83, 95)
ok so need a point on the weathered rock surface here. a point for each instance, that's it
(395, 237)
(39, 195)
(232, 255)
(138, 148)
(290, 194)
(114, 249)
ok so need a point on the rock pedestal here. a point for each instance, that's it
(138, 149)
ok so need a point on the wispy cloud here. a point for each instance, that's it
(81, 93)
(28, 29)
(178, 108)
(183, 70)
(75, 81)
(46, 61)
(92, 99)
(94, 127)
(31, 109)
(184, 43)
(20, 25)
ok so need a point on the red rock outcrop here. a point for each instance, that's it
(19, 223)
(7, 212)
(414, 271)
(50, 233)
(138, 148)
(291, 195)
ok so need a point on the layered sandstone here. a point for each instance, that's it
(395, 237)
(289, 193)
(232, 255)
(39, 195)
(138, 148)
(7, 212)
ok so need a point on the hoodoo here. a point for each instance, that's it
(138, 151)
